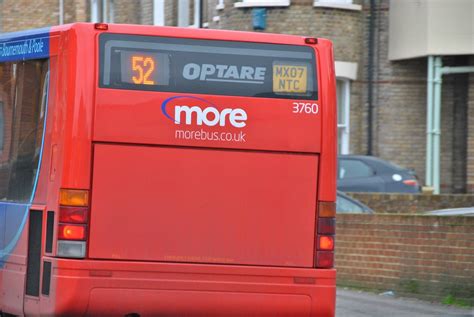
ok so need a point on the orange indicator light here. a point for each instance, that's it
(327, 209)
(74, 197)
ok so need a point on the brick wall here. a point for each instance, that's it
(171, 12)
(75, 11)
(39, 14)
(127, 12)
(410, 203)
(343, 27)
(146, 12)
(424, 256)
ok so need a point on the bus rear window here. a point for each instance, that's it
(207, 67)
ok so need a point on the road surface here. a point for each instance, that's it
(361, 304)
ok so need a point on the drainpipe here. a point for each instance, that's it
(370, 79)
(429, 123)
(201, 15)
(433, 124)
(438, 64)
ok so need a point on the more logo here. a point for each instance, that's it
(207, 115)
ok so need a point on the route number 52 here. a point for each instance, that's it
(143, 68)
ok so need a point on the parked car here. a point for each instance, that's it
(465, 211)
(360, 173)
(346, 204)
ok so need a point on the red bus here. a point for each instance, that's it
(166, 171)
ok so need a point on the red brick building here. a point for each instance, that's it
(381, 80)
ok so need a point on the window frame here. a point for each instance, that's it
(337, 4)
(262, 3)
(183, 13)
(343, 129)
(220, 5)
(159, 12)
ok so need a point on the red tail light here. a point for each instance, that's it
(73, 214)
(101, 26)
(326, 243)
(327, 225)
(73, 223)
(324, 259)
(411, 182)
(325, 239)
(71, 232)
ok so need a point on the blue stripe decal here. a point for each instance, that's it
(16, 214)
(18, 46)
(40, 159)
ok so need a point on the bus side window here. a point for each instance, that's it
(7, 95)
(26, 119)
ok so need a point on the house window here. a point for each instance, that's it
(220, 5)
(184, 13)
(334, 1)
(102, 11)
(343, 111)
(262, 3)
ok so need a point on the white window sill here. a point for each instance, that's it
(343, 6)
(220, 6)
(276, 3)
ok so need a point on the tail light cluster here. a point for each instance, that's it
(73, 223)
(325, 236)
(411, 182)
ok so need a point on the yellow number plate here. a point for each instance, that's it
(290, 78)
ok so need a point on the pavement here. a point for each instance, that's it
(361, 304)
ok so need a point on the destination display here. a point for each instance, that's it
(32, 45)
(207, 67)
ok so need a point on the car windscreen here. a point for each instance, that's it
(345, 205)
(231, 68)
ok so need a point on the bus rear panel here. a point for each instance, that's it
(187, 172)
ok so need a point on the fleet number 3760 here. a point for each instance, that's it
(305, 108)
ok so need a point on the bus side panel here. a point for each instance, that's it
(14, 259)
